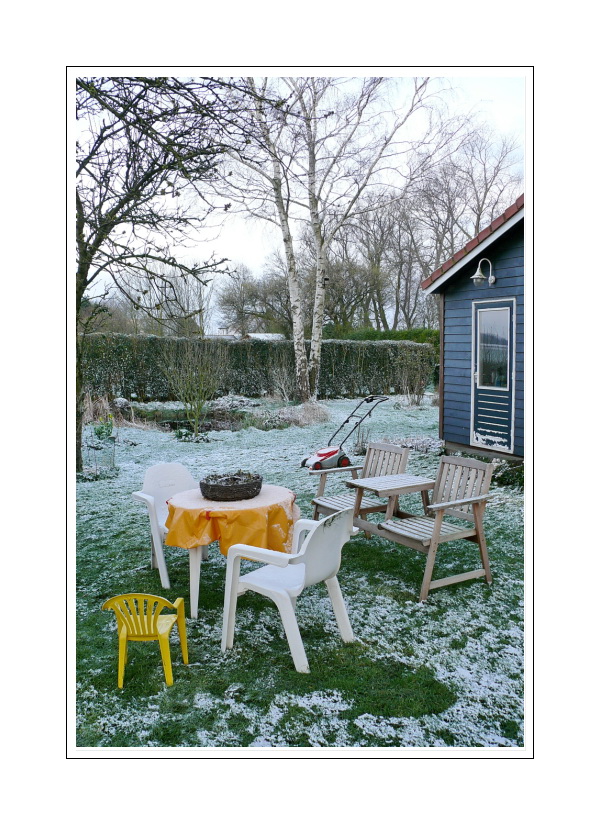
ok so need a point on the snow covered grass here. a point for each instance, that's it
(444, 673)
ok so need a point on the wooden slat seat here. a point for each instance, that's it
(421, 529)
(344, 500)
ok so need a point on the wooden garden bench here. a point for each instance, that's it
(461, 490)
(381, 459)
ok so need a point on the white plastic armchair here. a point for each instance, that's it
(160, 483)
(316, 557)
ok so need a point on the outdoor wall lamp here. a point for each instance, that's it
(479, 278)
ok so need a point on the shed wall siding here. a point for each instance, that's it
(507, 257)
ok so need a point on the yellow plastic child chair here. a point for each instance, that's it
(139, 620)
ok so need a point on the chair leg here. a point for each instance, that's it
(182, 634)
(162, 567)
(229, 611)
(339, 609)
(165, 652)
(157, 558)
(428, 571)
(478, 516)
(122, 658)
(230, 603)
(292, 632)
(431, 556)
(157, 537)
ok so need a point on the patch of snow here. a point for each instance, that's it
(233, 402)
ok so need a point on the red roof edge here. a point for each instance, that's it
(474, 242)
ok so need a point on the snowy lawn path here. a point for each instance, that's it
(446, 673)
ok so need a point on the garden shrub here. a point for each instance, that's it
(193, 374)
(510, 474)
(129, 366)
(415, 375)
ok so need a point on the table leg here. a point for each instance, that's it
(425, 499)
(196, 556)
(357, 501)
(391, 507)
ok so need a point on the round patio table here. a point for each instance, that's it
(194, 522)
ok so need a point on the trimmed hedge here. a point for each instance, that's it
(128, 366)
(421, 335)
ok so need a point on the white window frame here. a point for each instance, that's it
(474, 345)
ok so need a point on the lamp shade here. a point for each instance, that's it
(478, 278)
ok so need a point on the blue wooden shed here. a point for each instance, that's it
(481, 340)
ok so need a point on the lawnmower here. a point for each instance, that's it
(328, 457)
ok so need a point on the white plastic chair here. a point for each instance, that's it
(284, 577)
(160, 483)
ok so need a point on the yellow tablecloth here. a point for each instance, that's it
(263, 521)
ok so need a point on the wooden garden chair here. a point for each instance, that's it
(461, 490)
(381, 459)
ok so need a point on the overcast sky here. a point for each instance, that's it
(500, 100)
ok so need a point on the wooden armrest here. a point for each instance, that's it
(335, 470)
(445, 505)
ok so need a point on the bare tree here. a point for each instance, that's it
(455, 200)
(345, 144)
(237, 301)
(442, 211)
(146, 148)
(114, 314)
(318, 151)
(264, 191)
(138, 150)
(346, 289)
(490, 170)
(273, 310)
(371, 232)
(172, 303)
(405, 267)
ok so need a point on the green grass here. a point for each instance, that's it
(447, 673)
(383, 685)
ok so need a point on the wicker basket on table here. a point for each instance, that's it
(231, 486)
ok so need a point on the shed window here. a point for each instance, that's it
(494, 325)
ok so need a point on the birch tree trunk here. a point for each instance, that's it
(282, 207)
(302, 373)
(316, 340)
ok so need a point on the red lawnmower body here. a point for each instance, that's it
(331, 456)
(326, 458)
